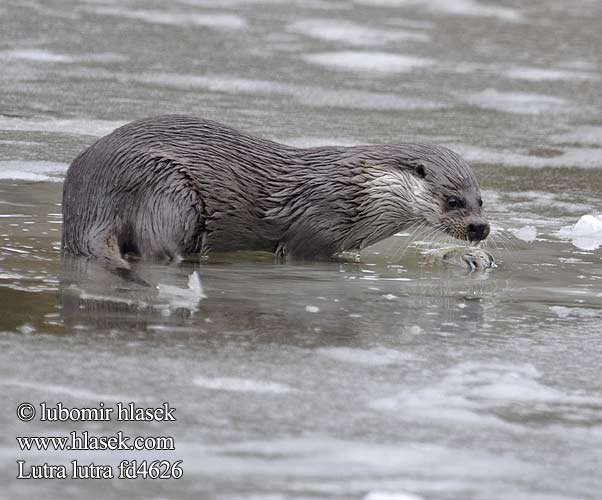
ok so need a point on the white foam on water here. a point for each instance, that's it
(183, 298)
(391, 495)
(379, 356)
(78, 126)
(33, 171)
(547, 74)
(379, 62)
(586, 135)
(526, 233)
(213, 20)
(523, 103)
(307, 95)
(452, 7)
(569, 157)
(36, 55)
(72, 392)
(350, 33)
(312, 309)
(233, 384)
(586, 234)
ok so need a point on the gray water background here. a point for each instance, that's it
(383, 379)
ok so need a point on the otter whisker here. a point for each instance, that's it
(415, 231)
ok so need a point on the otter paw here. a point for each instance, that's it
(471, 259)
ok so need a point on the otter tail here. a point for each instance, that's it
(108, 253)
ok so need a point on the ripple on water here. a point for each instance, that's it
(585, 135)
(312, 96)
(566, 157)
(580, 312)
(322, 457)
(452, 7)
(379, 62)
(547, 74)
(351, 33)
(37, 55)
(379, 356)
(79, 126)
(234, 384)
(314, 142)
(35, 171)
(63, 390)
(215, 20)
(391, 495)
(46, 56)
(523, 103)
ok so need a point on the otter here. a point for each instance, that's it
(171, 185)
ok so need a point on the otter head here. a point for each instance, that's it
(435, 187)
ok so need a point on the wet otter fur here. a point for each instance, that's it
(171, 185)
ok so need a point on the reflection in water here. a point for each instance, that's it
(251, 299)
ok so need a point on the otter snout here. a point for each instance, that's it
(478, 230)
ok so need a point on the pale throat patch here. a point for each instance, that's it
(403, 185)
(404, 193)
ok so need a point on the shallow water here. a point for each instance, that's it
(382, 379)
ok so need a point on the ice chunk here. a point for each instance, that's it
(586, 234)
(526, 233)
(183, 298)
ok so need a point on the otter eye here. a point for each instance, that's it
(480, 202)
(420, 170)
(455, 203)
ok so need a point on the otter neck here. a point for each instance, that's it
(333, 200)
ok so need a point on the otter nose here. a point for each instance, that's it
(477, 231)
